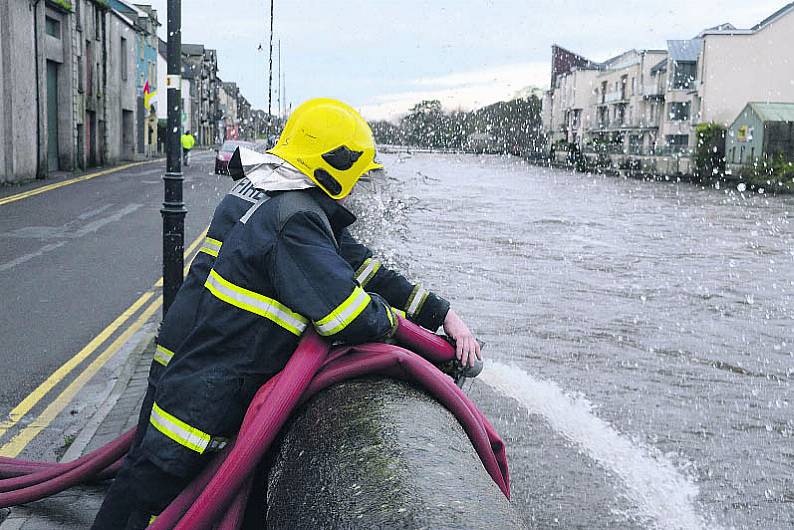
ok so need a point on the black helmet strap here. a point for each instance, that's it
(327, 181)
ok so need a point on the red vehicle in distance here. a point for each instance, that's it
(224, 154)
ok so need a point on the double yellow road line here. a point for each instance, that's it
(33, 428)
(68, 182)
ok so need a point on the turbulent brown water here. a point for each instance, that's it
(639, 334)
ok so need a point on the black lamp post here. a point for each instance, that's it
(270, 80)
(173, 209)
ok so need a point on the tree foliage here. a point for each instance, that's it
(388, 133)
(504, 127)
(775, 174)
(514, 125)
(709, 156)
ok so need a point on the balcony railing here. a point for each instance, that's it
(652, 91)
(603, 149)
(626, 124)
(612, 97)
(637, 150)
(673, 150)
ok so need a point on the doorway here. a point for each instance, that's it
(127, 135)
(90, 137)
(52, 117)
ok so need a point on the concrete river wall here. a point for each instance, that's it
(378, 453)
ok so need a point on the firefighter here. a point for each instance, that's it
(188, 141)
(287, 263)
(180, 317)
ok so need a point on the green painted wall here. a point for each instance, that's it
(745, 139)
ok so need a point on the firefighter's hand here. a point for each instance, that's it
(466, 346)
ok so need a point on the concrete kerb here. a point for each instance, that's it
(82, 440)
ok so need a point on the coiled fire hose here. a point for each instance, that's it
(220, 492)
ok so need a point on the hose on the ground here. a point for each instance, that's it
(220, 492)
(64, 479)
(52, 471)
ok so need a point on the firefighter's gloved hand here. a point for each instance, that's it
(387, 337)
(466, 346)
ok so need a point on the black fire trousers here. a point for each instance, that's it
(141, 489)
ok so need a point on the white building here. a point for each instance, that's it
(679, 78)
(569, 109)
(736, 66)
(650, 102)
(120, 98)
(625, 102)
(161, 99)
(566, 111)
(615, 103)
(227, 103)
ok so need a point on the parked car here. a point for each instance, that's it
(224, 154)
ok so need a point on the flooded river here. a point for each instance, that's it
(640, 335)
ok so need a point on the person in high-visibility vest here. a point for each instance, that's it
(188, 141)
(278, 263)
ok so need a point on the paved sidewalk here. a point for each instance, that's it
(76, 507)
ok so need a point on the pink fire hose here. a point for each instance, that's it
(220, 492)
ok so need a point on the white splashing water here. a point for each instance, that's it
(663, 496)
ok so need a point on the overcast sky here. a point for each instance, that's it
(382, 56)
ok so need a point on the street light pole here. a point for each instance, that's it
(173, 209)
(270, 79)
(278, 81)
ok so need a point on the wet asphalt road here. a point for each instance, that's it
(72, 259)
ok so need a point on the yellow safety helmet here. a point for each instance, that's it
(329, 142)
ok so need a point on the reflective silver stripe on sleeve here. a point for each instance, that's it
(367, 271)
(344, 314)
(416, 300)
(211, 246)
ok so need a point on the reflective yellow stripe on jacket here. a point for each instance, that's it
(178, 430)
(416, 300)
(211, 246)
(163, 355)
(367, 271)
(344, 314)
(256, 303)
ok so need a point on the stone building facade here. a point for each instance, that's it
(73, 106)
(83, 86)
(37, 77)
(144, 19)
(229, 93)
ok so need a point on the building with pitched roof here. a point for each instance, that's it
(68, 72)
(740, 65)
(648, 103)
(761, 131)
